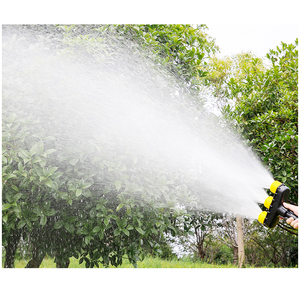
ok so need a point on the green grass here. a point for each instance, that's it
(146, 263)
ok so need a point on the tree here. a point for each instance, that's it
(266, 111)
(182, 47)
(221, 71)
(70, 193)
(261, 101)
(226, 232)
(197, 229)
(265, 247)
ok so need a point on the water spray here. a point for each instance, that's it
(118, 105)
(274, 205)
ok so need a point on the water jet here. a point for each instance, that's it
(126, 106)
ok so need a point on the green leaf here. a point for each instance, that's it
(6, 206)
(20, 167)
(125, 231)
(15, 188)
(17, 197)
(48, 183)
(82, 231)
(58, 224)
(72, 219)
(37, 210)
(4, 161)
(49, 151)
(78, 192)
(85, 185)
(87, 262)
(36, 159)
(73, 161)
(51, 170)
(129, 227)
(4, 218)
(24, 155)
(100, 207)
(87, 193)
(106, 221)
(43, 220)
(118, 184)
(88, 239)
(93, 213)
(117, 232)
(10, 176)
(153, 230)
(18, 211)
(140, 230)
(96, 229)
(38, 148)
(50, 212)
(70, 227)
(101, 235)
(21, 224)
(119, 206)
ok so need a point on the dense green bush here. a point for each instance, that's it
(266, 111)
(69, 196)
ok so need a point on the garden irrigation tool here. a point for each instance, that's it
(275, 207)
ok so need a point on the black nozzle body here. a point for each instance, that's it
(286, 213)
(277, 209)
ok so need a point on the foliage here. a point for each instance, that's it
(263, 247)
(267, 113)
(221, 71)
(68, 209)
(181, 47)
(220, 253)
(198, 225)
(271, 248)
(261, 100)
(91, 201)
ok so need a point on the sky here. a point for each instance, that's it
(257, 38)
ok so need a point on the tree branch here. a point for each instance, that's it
(287, 229)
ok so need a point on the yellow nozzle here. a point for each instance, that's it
(268, 202)
(274, 186)
(262, 216)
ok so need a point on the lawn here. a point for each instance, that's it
(146, 263)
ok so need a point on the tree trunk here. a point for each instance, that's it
(241, 251)
(64, 264)
(201, 251)
(60, 263)
(200, 242)
(235, 255)
(11, 248)
(37, 257)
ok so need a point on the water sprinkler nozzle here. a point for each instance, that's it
(274, 206)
